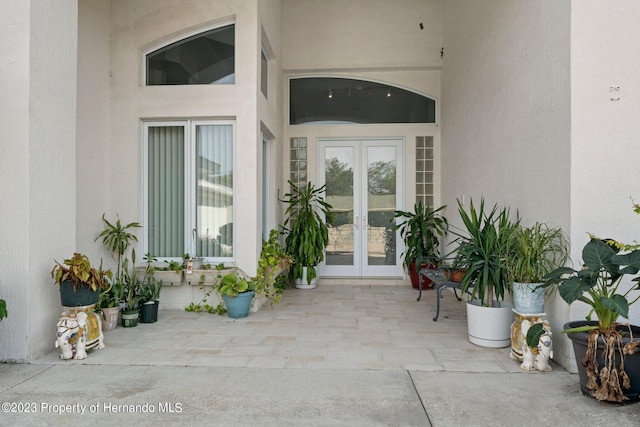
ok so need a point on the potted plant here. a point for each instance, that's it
(607, 349)
(237, 294)
(149, 299)
(131, 310)
(3, 309)
(169, 272)
(109, 305)
(273, 262)
(306, 232)
(420, 230)
(482, 250)
(535, 251)
(79, 282)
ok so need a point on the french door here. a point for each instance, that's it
(364, 185)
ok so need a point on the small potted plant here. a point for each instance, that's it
(80, 283)
(306, 232)
(535, 251)
(420, 230)
(169, 272)
(608, 350)
(109, 305)
(237, 293)
(149, 299)
(131, 310)
(273, 262)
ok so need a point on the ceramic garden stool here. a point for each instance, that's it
(78, 329)
(532, 358)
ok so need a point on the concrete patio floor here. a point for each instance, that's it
(337, 355)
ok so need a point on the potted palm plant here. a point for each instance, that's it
(535, 251)
(609, 350)
(306, 231)
(483, 248)
(80, 283)
(420, 230)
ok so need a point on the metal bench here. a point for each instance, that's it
(440, 278)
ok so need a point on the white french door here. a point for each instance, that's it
(364, 185)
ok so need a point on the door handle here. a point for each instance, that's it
(355, 224)
(364, 222)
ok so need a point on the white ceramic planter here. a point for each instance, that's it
(490, 326)
(303, 284)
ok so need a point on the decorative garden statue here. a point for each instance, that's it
(77, 332)
(536, 357)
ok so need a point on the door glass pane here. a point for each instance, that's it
(214, 191)
(339, 193)
(166, 191)
(381, 203)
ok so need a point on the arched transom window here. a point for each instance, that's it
(341, 100)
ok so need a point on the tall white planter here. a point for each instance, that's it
(490, 326)
(303, 284)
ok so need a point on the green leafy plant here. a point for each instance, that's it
(536, 251)
(117, 239)
(232, 285)
(306, 232)
(150, 289)
(420, 230)
(483, 248)
(272, 262)
(78, 270)
(3, 309)
(597, 284)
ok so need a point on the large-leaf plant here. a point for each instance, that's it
(420, 230)
(305, 228)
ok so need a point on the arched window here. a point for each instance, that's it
(341, 100)
(205, 58)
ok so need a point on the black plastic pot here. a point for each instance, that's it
(149, 312)
(631, 361)
(82, 296)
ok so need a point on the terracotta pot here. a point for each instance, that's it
(413, 275)
(457, 275)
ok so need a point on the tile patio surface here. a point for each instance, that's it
(340, 327)
(339, 355)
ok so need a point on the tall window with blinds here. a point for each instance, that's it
(189, 189)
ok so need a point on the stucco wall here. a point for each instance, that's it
(38, 41)
(93, 149)
(143, 25)
(604, 132)
(506, 114)
(361, 33)
(371, 40)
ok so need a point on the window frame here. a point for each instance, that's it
(190, 134)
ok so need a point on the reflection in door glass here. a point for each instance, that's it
(381, 203)
(339, 194)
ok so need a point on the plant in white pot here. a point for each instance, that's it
(535, 251)
(306, 232)
(482, 250)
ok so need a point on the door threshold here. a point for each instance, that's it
(368, 281)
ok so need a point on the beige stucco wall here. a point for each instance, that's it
(375, 40)
(506, 114)
(604, 131)
(37, 168)
(141, 26)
